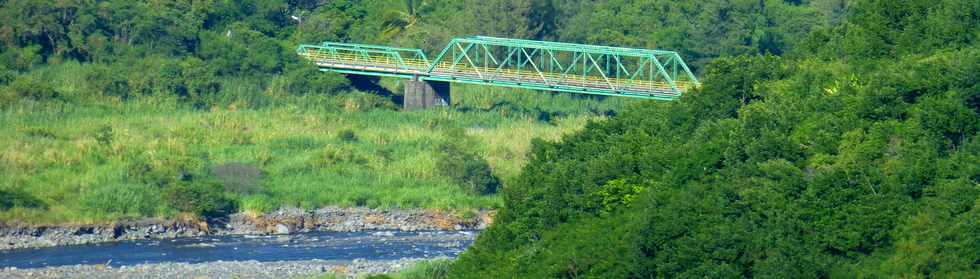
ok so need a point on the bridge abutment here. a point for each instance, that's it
(422, 94)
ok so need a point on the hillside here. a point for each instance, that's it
(854, 155)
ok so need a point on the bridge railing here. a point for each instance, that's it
(407, 53)
(364, 59)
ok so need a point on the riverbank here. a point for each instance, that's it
(234, 269)
(284, 221)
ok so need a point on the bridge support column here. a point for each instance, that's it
(421, 94)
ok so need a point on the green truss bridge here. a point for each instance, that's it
(538, 65)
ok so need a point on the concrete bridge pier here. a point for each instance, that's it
(423, 94)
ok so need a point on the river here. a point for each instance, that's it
(329, 246)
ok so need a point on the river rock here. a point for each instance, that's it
(282, 229)
(286, 221)
(226, 269)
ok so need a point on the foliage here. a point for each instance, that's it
(466, 169)
(347, 135)
(27, 88)
(851, 157)
(434, 269)
(616, 194)
(203, 198)
(260, 203)
(308, 80)
(15, 197)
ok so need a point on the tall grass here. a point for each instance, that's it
(434, 269)
(93, 158)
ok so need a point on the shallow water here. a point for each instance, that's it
(340, 246)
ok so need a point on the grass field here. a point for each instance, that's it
(98, 161)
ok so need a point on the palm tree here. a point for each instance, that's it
(395, 22)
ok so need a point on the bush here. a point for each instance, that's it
(22, 59)
(104, 136)
(28, 88)
(108, 81)
(308, 80)
(259, 204)
(200, 84)
(38, 132)
(204, 198)
(7, 76)
(615, 194)
(347, 135)
(471, 172)
(435, 269)
(10, 198)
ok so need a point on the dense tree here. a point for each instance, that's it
(858, 162)
(701, 30)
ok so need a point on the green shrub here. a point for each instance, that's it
(22, 58)
(38, 132)
(10, 198)
(259, 203)
(468, 170)
(7, 76)
(28, 88)
(308, 80)
(104, 136)
(204, 198)
(347, 135)
(200, 84)
(108, 81)
(435, 269)
(616, 194)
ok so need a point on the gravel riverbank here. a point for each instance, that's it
(284, 221)
(237, 269)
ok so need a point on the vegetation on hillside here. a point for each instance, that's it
(854, 155)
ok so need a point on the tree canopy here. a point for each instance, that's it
(856, 154)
